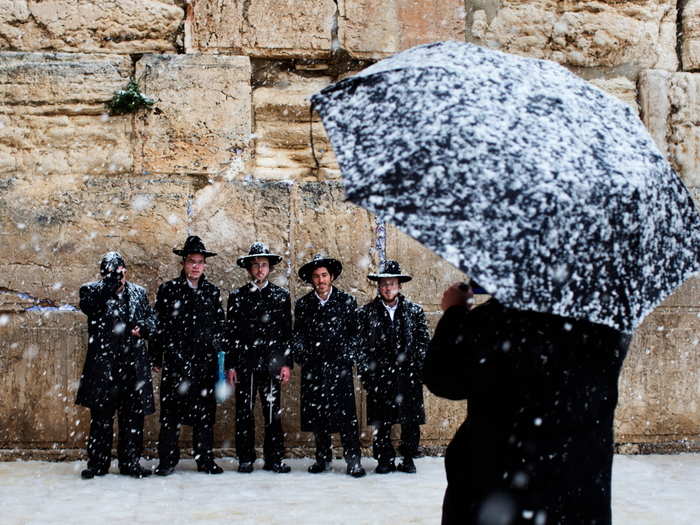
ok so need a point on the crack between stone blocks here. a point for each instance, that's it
(680, 7)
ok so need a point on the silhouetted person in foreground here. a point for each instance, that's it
(537, 444)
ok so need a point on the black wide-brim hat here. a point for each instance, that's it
(258, 249)
(334, 266)
(193, 244)
(390, 269)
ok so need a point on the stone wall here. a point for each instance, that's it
(225, 153)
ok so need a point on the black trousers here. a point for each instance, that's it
(349, 438)
(202, 433)
(250, 385)
(383, 450)
(130, 439)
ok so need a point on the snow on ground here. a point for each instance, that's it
(647, 490)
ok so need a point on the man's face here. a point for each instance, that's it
(321, 280)
(194, 266)
(259, 269)
(388, 288)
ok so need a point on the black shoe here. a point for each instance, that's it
(135, 471)
(279, 467)
(355, 469)
(209, 468)
(318, 467)
(246, 467)
(419, 453)
(90, 473)
(385, 467)
(162, 470)
(407, 466)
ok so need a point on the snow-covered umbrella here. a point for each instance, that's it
(547, 191)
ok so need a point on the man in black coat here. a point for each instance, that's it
(537, 444)
(324, 344)
(190, 324)
(117, 374)
(394, 342)
(258, 359)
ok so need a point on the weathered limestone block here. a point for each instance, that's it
(670, 106)
(119, 26)
(590, 33)
(283, 145)
(369, 29)
(262, 28)
(57, 229)
(53, 117)
(690, 41)
(660, 383)
(620, 87)
(39, 369)
(201, 121)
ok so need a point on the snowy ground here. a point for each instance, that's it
(647, 490)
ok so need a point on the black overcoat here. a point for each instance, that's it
(325, 345)
(190, 326)
(392, 356)
(116, 363)
(259, 329)
(542, 392)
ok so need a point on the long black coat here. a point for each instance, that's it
(190, 325)
(542, 393)
(116, 363)
(392, 356)
(325, 345)
(259, 329)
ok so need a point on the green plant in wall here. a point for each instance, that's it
(129, 100)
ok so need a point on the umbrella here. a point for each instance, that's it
(547, 191)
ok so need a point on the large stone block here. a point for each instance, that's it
(118, 26)
(670, 106)
(368, 29)
(590, 33)
(53, 117)
(39, 369)
(690, 39)
(201, 121)
(262, 28)
(660, 383)
(57, 229)
(282, 132)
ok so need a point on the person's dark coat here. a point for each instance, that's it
(190, 324)
(542, 392)
(392, 355)
(325, 345)
(117, 363)
(259, 329)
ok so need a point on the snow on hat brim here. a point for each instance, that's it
(242, 261)
(403, 278)
(334, 266)
(193, 245)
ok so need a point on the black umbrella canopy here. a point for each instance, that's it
(545, 189)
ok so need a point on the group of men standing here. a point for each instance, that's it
(386, 340)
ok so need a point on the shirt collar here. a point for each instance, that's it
(255, 288)
(323, 302)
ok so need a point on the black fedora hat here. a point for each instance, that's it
(193, 244)
(390, 269)
(258, 249)
(334, 266)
